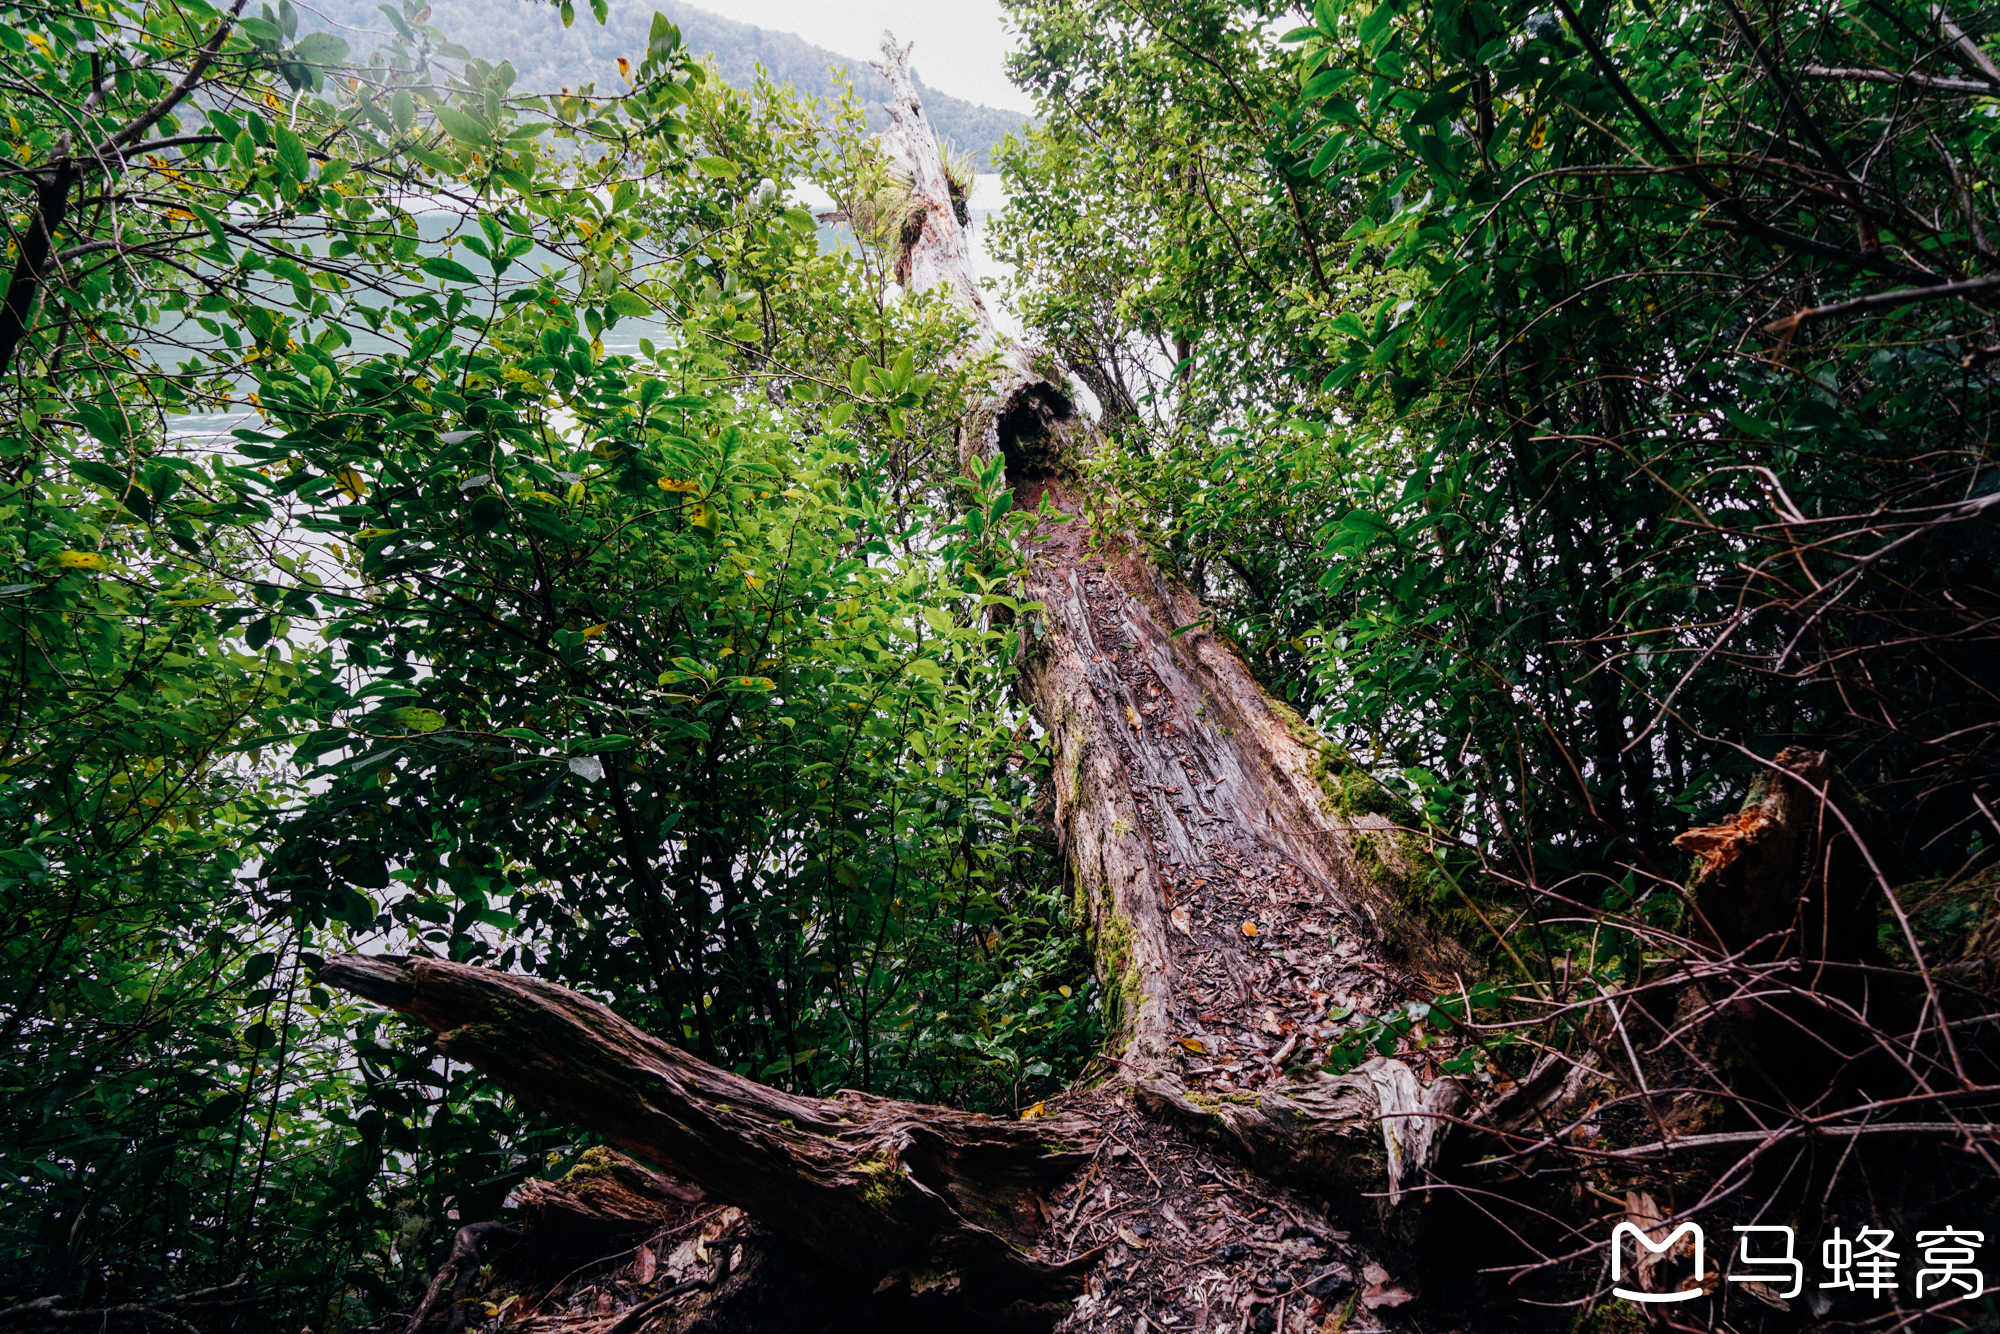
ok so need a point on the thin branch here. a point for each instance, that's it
(1969, 289)
(1913, 79)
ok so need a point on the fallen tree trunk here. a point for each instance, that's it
(865, 1181)
(1233, 897)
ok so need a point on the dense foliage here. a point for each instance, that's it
(455, 516)
(1449, 342)
(661, 672)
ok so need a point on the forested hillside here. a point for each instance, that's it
(1440, 703)
(549, 55)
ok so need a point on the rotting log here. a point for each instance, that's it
(1786, 879)
(865, 1181)
(1785, 875)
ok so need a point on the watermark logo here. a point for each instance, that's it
(1768, 1254)
(1659, 1249)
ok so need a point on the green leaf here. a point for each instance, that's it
(263, 32)
(415, 719)
(448, 269)
(436, 161)
(466, 129)
(716, 166)
(321, 48)
(291, 154)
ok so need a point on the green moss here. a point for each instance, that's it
(1297, 727)
(1349, 790)
(1121, 827)
(882, 1185)
(1609, 1318)
(592, 1164)
(1421, 912)
(1118, 959)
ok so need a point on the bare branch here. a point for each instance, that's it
(1970, 289)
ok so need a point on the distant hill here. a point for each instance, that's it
(548, 56)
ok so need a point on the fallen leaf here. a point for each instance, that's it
(1130, 1238)
(1250, 929)
(642, 1274)
(1182, 922)
(1194, 1045)
(1380, 1292)
(1376, 1298)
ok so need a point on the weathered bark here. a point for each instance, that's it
(865, 1181)
(606, 1204)
(1786, 878)
(1182, 786)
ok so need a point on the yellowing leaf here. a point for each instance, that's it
(78, 560)
(596, 631)
(1194, 1045)
(370, 534)
(675, 484)
(351, 481)
(624, 69)
(417, 720)
(1250, 929)
(1132, 716)
(705, 517)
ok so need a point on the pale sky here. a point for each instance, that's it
(960, 44)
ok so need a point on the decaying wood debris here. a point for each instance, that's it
(1217, 1178)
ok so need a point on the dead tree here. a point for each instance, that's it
(1232, 899)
